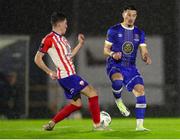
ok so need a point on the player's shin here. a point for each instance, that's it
(63, 113)
(94, 109)
(117, 88)
(140, 110)
(66, 111)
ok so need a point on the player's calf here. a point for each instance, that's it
(140, 112)
(63, 113)
(94, 108)
(117, 87)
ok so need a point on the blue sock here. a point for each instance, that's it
(117, 88)
(140, 107)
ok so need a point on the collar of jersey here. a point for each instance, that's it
(56, 33)
(128, 28)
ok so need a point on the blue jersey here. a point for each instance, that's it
(125, 40)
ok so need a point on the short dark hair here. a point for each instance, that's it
(56, 17)
(129, 7)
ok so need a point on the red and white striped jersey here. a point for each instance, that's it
(59, 49)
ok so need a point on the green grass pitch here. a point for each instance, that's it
(168, 128)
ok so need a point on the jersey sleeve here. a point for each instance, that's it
(142, 39)
(45, 45)
(110, 37)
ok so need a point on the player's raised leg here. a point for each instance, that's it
(140, 107)
(117, 87)
(74, 104)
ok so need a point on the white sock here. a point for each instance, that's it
(139, 122)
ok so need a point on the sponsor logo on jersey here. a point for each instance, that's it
(71, 90)
(120, 35)
(136, 37)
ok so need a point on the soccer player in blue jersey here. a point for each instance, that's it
(121, 46)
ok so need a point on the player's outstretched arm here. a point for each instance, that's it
(81, 40)
(40, 63)
(145, 55)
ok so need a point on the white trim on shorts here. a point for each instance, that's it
(132, 80)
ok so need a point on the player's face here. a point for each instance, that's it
(129, 17)
(63, 26)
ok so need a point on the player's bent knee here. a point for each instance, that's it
(141, 93)
(117, 84)
(76, 103)
(78, 106)
(116, 76)
(89, 91)
(138, 92)
(93, 92)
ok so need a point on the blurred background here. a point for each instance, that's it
(27, 92)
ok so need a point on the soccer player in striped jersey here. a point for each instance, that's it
(59, 49)
(121, 46)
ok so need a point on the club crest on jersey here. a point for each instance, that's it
(127, 47)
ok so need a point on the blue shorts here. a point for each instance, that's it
(72, 86)
(131, 76)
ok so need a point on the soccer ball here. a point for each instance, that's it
(105, 118)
